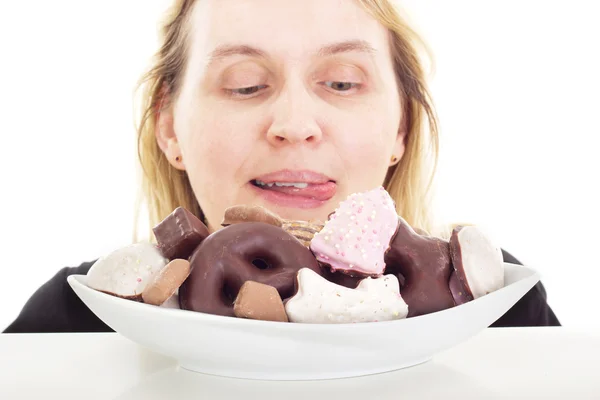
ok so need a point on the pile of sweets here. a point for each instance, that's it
(364, 264)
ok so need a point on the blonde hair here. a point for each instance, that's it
(409, 183)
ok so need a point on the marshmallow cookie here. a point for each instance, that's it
(126, 271)
(478, 264)
(320, 301)
(357, 234)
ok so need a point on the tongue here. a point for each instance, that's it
(321, 191)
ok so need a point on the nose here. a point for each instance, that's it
(294, 119)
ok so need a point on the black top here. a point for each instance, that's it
(54, 307)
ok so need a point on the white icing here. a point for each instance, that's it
(126, 271)
(358, 233)
(482, 261)
(321, 301)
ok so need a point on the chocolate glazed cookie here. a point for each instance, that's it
(425, 265)
(251, 251)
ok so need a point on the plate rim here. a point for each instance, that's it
(76, 281)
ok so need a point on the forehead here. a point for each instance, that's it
(283, 28)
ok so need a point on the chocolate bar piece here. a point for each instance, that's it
(165, 283)
(259, 301)
(179, 234)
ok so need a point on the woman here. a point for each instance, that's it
(292, 105)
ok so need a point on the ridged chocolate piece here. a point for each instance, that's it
(304, 231)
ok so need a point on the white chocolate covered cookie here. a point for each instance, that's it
(320, 301)
(126, 272)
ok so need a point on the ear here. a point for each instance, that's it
(165, 134)
(399, 147)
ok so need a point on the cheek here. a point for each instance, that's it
(216, 145)
(366, 142)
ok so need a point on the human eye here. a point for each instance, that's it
(245, 91)
(342, 78)
(244, 80)
(341, 86)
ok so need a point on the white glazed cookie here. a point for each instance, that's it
(126, 272)
(477, 261)
(320, 301)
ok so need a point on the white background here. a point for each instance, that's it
(516, 88)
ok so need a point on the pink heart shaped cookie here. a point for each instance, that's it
(357, 234)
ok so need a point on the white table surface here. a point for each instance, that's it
(540, 363)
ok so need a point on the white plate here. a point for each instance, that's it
(241, 348)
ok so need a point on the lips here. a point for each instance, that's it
(287, 186)
(321, 191)
(295, 176)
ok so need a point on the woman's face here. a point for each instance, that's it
(292, 105)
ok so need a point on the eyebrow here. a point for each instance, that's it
(359, 46)
(225, 51)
